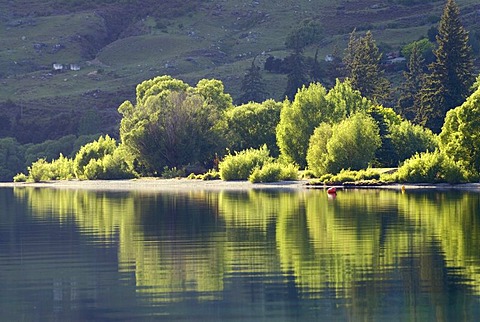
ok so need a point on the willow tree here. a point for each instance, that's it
(450, 78)
(173, 124)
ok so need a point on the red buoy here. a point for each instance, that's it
(332, 190)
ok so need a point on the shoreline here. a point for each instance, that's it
(156, 184)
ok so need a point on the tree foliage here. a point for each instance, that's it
(449, 82)
(252, 125)
(352, 145)
(298, 119)
(307, 33)
(362, 63)
(409, 101)
(173, 124)
(460, 138)
(312, 106)
(410, 139)
(11, 158)
(253, 87)
(297, 76)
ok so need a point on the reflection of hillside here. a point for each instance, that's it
(194, 241)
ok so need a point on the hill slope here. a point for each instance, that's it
(117, 44)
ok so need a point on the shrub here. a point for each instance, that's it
(431, 167)
(353, 143)
(409, 139)
(110, 167)
(20, 177)
(40, 170)
(62, 168)
(241, 165)
(170, 173)
(94, 150)
(290, 172)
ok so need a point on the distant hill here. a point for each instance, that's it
(103, 48)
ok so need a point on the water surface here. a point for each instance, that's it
(366, 255)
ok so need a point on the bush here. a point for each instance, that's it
(433, 167)
(110, 167)
(270, 172)
(170, 173)
(352, 145)
(351, 176)
(40, 170)
(274, 171)
(62, 168)
(94, 150)
(20, 177)
(409, 139)
(241, 165)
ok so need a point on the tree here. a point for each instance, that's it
(298, 119)
(317, 153)
(450, 78)
(459, 137)
(253, 87)
(311, 107)
(352, 144)
(307, 33)
(298, 75)
(410, 98)
(173, 124)
(252, 125)
(11, 158)
(362, 63)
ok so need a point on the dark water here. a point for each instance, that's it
(239, 256)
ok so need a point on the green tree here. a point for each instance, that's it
(459, 137)
(311, 107)
(352, 145)
(410, 139)
(95, 150)
(253, 87)
(173, 124)
(252, 125)
(297, 75)
(317, 153)
(345, 101)
(307, 33)
(410, 97)
(11, 158)
(423, 47)
(449, 82)
(362, 63)
(298, 119)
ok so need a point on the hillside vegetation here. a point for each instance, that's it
(118, 44)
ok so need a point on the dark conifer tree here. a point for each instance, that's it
(298, 74)
(448, 84)
(253, 87)
(362, 64)
(409, 100)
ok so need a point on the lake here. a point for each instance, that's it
(256, 255)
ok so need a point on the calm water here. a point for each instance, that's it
(239, 256)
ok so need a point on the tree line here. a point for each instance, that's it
(173, 128)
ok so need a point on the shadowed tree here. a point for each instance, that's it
(409, 100)
(450, 78)
(253, 87)
(362, 64)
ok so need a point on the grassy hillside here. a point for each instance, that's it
(117, 44)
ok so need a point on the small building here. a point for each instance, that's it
(74, 67)
(57, 67)
(329, 58)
